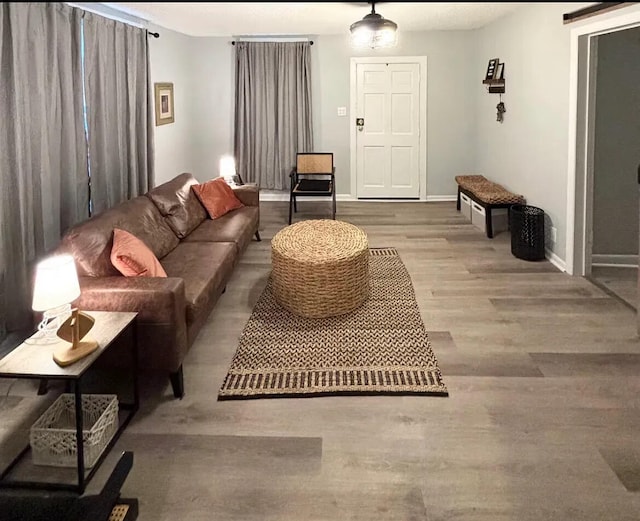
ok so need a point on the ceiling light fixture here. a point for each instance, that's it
(374, 31)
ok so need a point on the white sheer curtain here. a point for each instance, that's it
(272, 110)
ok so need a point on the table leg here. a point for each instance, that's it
(43, 387)
(79, 438)
(134, 351)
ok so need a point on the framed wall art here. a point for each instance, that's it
(164, 103)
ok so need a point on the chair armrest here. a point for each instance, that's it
(249, 194)
(156, 299)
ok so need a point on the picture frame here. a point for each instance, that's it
(164, 103)
(499, 72)
(491, 69)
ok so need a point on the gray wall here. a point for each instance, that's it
(204, 66)
(171, 62)
(617, 144)
(528, 152)
(213, 101)
(450, 102)
(201, 70)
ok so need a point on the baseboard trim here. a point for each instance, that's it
(267, 196)
(441, 198)
(555, 260)
(275, 196)
(628, 261)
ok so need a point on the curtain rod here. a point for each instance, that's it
(155, 35)
(593, 10)
(233, 42)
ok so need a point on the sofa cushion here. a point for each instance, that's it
(237, 226)
(217, 197)
(205, 268)
(178, 204)
(90, 242)
(132, 257)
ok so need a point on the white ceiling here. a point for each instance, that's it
(310, 18)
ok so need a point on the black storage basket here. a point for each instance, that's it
(527, 232)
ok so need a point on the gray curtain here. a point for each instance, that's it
(119, 115)
(272, 110)
(43, 163)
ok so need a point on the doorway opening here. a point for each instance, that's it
(602, 210)
(612, 252)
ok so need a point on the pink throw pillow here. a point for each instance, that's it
(132, 257)
(217, 197)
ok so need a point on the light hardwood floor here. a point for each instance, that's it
(542, 421)
(621, 281)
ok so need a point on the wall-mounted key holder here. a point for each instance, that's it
(494, 79)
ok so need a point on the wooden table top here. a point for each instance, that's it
(32, 360)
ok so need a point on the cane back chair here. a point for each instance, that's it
(313, 176)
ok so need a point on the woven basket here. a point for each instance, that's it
(53, 435)
(320, 268)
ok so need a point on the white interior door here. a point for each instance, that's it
(388, 141)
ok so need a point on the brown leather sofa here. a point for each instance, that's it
(197, 253)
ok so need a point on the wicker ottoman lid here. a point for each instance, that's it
(319, 241)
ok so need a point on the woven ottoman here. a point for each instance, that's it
(320, 268)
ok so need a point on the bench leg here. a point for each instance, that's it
(258, 236)
(488, 222)
(458, 199)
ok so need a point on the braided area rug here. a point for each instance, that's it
(380, 348)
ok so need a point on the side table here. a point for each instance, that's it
(33, 361)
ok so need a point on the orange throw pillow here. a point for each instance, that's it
(217, 197)
(132, 257)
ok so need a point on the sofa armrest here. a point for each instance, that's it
(249, 194)
(156, 299)
(161, 323)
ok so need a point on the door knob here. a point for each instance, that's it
(360, 123)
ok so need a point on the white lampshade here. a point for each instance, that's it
(227, 167)
(56, 283)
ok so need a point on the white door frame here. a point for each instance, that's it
(422, 143)
(577, 221)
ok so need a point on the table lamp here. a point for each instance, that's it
(228, 170)
(56, 286)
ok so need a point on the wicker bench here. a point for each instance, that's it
(320, 268)
(487, 194)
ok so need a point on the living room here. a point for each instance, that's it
(542, 366)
